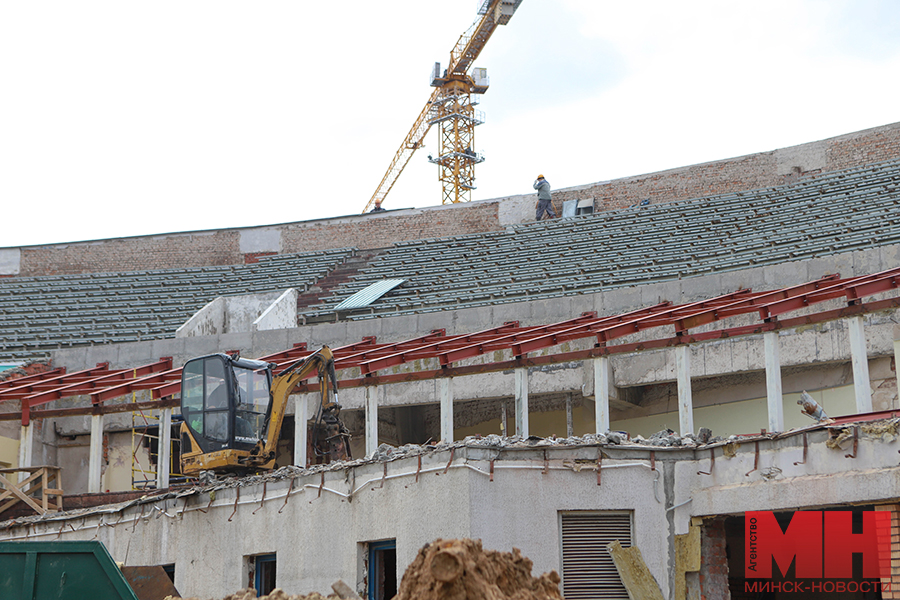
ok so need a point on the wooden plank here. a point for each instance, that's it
(18, 493)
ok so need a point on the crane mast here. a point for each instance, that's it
(451, 107)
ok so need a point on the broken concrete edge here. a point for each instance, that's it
(485, 449)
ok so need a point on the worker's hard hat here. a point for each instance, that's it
(540, 176)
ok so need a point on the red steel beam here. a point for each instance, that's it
(762, 327)
(448, 357)
(852, 289)
(19, 392)
(357, 358)
(17, 381)
(83, 387)
(430, 350)
(621, 325)
(135, 385)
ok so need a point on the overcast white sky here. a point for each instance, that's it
(123, 118)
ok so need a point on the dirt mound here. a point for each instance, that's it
(463, 570)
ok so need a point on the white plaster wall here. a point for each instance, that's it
(209, 320)
(280, 314)
(263, 239)
(242, 311)
(520, 508)
(10, 261)
(808, 157)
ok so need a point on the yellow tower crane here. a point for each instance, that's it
(451, 107)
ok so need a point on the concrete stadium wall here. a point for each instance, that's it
(240, 245)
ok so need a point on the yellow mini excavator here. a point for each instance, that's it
(233, 410)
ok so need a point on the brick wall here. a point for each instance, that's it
(713, 561)
(893, 583)
(133, 254)
(384, 229)
(40, 366)
(220, 247)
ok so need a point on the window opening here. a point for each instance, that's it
(264, 578)
(382, 570)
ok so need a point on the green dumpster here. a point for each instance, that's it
(60, 570)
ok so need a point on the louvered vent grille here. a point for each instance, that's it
(588, 569)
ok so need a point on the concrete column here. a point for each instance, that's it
(773, 381)
(26, 444)
(860, 360)
(570, 426)
(445, 392)
(165, 446)
(371, 419)
(96, 457)
(601, 394)
(685, 402)
(522, 402)
(301, 416)
(504, 427)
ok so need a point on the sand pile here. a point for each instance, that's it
(463, 570)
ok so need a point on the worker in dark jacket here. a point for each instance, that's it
(543, 189)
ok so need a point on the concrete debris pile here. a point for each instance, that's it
(463, 570)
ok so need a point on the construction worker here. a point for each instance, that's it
(543, 189)
(377, 206)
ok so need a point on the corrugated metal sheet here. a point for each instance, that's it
(370, 294)
(588, 569)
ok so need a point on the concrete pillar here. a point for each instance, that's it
(504, 427)
(165, 447)
(371, 419)
(95, 471)
(26, 444)
(601, 394)
(860, 359)
(301, 416)
(773, 381)
(570, 427)
(445, 392)
(685, 402)
(522, 402)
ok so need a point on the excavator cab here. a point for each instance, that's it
(226, 403)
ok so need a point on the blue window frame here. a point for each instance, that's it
(382, 570)
(264, 574)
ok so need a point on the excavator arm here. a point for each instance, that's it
(330, 437)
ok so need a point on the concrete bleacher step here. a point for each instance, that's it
(341, 275)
